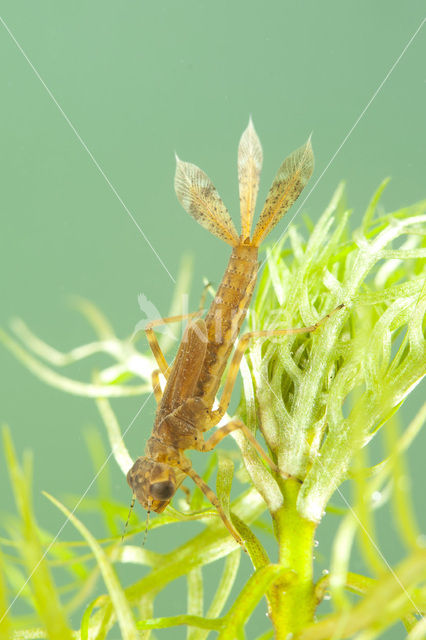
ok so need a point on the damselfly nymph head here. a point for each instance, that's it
(153, 483)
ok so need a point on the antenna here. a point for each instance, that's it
(148, 511)
(132, 504)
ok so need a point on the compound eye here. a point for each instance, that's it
(162, 490)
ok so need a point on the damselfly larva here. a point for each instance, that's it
(185, 409)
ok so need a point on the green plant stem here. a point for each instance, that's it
(292, 600)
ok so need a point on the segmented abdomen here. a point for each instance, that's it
(225, 317)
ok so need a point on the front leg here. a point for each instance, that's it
(211, 496)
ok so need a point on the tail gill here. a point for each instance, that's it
(200, 199)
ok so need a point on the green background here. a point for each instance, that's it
(140, 81)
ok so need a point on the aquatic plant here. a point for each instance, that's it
(318, 400)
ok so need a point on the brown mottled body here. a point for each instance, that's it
(225, 317)
(185, 409)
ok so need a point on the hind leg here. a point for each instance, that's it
(218, 413)
(153, 342)
(152, 338)
(207, 287)
(156, 386)
(222, 432)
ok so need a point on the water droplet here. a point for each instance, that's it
(327, 596)
(316, 543)
(325, 572)
(289, 636)
(376, 496)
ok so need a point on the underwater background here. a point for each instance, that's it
(96, 97)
